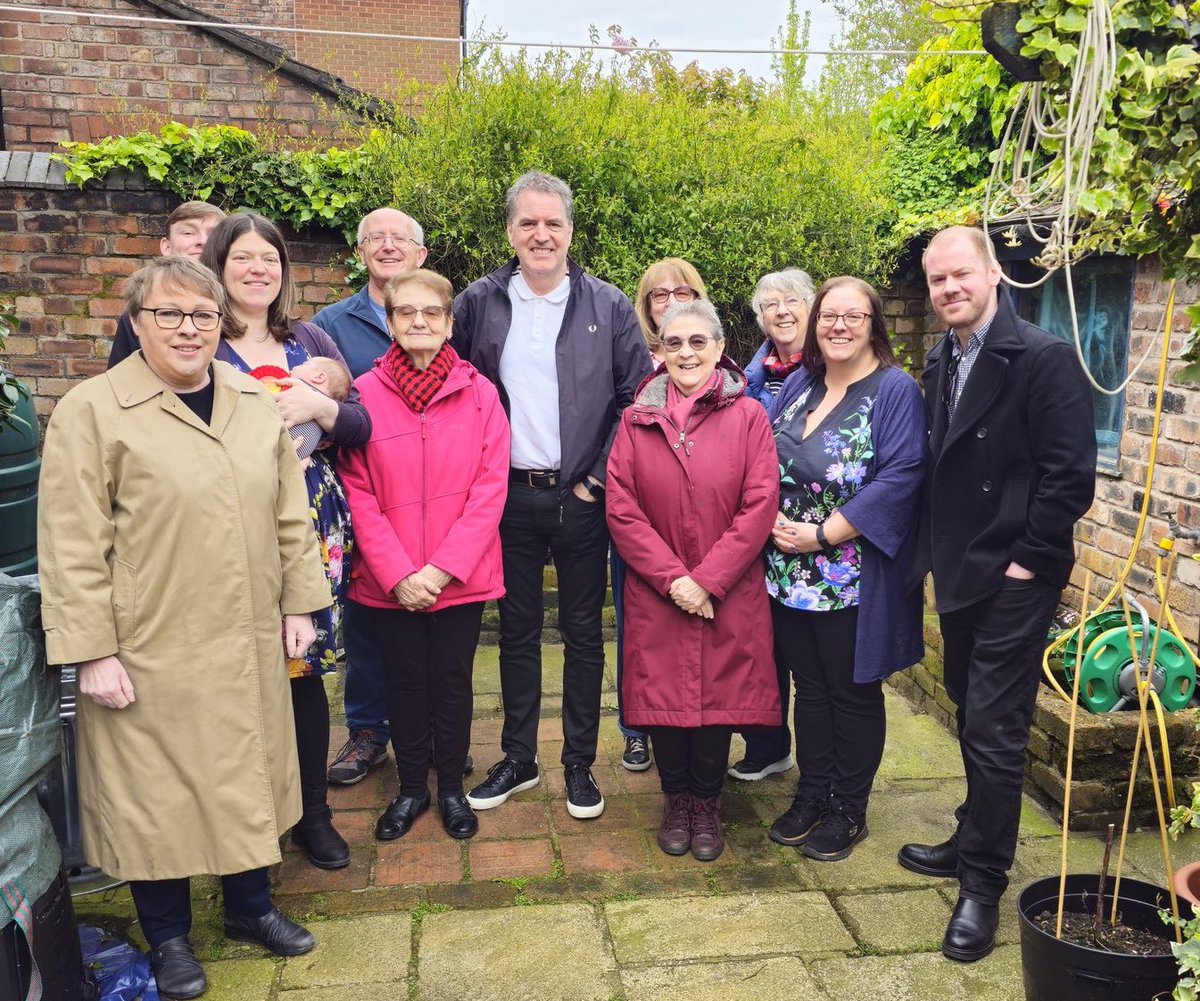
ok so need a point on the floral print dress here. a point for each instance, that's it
(331, 518)
(817, 475)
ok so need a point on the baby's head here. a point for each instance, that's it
(326, 375)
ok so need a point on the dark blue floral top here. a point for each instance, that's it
(817, 475)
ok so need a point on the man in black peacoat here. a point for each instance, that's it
(1012, 468)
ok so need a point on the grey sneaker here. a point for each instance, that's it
(358, 755)
(752, 771)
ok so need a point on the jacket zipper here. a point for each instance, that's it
(424, 491)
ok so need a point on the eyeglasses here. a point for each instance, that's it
(697, 342)
(793, 303)
(406, 314)
(379, 239)
(853, 320)
(681, 293)
(172, 319)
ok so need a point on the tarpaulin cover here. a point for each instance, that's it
(30, 740)
(122, 972)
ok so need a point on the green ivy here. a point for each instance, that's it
(943, 123)
(11, 390)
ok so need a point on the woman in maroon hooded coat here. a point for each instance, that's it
(693, 488)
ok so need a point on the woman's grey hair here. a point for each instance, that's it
(701, 309)
(789, 281)
(535, 180)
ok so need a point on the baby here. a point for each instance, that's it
(326, 376)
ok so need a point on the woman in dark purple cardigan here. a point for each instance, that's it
(849, 429)
(248, 254)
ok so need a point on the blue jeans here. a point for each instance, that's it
(617, 567)
(366, 685)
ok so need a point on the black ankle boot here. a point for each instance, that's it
(314, 834)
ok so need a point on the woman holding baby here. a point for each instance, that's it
(248, 254)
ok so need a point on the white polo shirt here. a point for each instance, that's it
(529, 372)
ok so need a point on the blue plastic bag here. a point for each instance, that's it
(122, 972)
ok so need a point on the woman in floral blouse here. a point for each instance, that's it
(849, 429)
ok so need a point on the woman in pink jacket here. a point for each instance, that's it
(426, 493)
(693, 489)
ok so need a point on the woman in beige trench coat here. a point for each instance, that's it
(174, 540)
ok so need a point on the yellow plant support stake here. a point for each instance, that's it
(1062, 867)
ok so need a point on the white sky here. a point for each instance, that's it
(710, 24)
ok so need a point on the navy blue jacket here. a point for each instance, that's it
(354, 327)
(884, 510)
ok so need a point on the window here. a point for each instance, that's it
(1103, 303)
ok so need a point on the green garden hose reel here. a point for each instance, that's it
(1108, 675)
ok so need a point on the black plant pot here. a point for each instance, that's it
(1057, 970)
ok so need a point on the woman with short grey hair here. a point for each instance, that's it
(781, 303)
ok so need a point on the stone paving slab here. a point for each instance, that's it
(362, 950)
(553, 952)
(241, 979)
(904, 921)
(917, 747)
(661, 931)
(752, 980)
(397, 991)
(922, 978)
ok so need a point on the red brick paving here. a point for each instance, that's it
(298, 875)
(603, 852)
(402, 862)
(508, 859)
(518, 818)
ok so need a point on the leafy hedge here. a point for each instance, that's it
(664, 162)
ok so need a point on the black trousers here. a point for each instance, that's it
(691, 759)
(840, 724)
(427, 670)
(164, 906)
(310, 710)
(773, 743)
(992, 659)
(577, 536)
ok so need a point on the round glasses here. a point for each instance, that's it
(681, 293)
(793, 303)
(379, 239)
(172, 319)
(697, 342)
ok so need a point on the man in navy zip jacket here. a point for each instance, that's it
(1012, 467)
(565, 351)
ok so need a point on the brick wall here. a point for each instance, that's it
(64, 78)
(63, 256)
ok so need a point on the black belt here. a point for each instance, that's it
(541, 479)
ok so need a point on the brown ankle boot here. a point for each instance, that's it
(675, 831)
(707, 840)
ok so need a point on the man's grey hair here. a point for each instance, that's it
(418, 232)
(547, 184)
(789, 281)
(701, 309)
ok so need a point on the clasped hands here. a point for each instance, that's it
(420, 590)
(691, 597)
(794, 536)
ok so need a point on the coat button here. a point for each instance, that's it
(987, 486)
(981, 433)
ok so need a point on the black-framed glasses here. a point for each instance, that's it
(680, 293)
(432, 314)
(697, 342)
(379, 239)
(169, 318)
(854, 319)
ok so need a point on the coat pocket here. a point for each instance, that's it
(124, 600)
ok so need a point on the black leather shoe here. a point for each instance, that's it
(176, 970)
(971, 933)
(395, 821)
(314, 834)
(272, 931)
(458, 818)
(939, 861)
